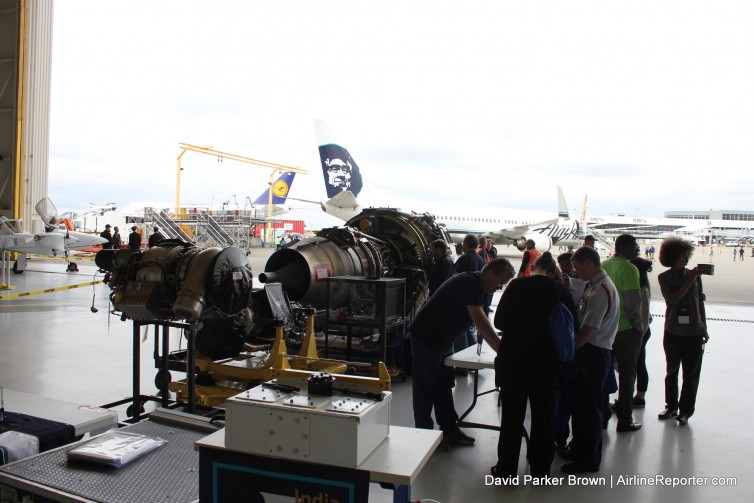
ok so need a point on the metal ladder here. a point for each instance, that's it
(167, 225)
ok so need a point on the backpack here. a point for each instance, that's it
(561, 328)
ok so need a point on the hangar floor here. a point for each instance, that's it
(53, 345)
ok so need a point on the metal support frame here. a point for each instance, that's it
(136, 399)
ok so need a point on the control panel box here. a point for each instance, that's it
(368, 301)
(339, 430)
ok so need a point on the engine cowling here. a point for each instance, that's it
(379, 242)
(542, 241)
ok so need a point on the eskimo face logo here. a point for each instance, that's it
(340, 171)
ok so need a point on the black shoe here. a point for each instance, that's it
(578, 468)
(457, 437)
(682, 419)
(667, 414)
(623, 428)
(614, 406)
(639, 403)
(564, 451)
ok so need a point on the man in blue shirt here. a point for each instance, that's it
(470, 261)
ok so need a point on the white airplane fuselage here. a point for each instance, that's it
(503, 226)
(55, 243)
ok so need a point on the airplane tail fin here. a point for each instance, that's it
(340, 171)
(562, 207)
(6, 227)
(583, 210)
(279, 188)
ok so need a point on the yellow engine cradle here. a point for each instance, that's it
(234, 375)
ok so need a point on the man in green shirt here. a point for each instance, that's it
(628, 341)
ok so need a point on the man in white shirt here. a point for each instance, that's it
(599, 308)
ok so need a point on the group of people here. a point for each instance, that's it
(114, 241)
(609, 305)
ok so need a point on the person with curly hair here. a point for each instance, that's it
(685, 328)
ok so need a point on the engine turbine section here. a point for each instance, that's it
(542, 242)
(176, 280)
(379, 242)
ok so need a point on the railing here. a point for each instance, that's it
(167, 225)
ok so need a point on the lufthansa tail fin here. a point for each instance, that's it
(340, 171)
(279, 188)
(562, 207)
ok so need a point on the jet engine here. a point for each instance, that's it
(379, 242)
(176, 280)
(542, 241)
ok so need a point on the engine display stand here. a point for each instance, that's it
(161, 347)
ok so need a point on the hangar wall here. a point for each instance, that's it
(25, 83)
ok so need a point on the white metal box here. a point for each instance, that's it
(334, 430)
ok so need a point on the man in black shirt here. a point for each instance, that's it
(134, 240)
(156, 237)
(442, 265)
(454, 306)
(106, 234)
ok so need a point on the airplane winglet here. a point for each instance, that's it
(562, 206)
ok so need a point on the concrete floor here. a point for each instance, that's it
(54, 346)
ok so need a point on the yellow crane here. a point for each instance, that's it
(185, 147)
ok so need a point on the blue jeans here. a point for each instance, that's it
(432, 386)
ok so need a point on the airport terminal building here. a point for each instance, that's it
(702, 226)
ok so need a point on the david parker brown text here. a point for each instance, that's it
(613, 481)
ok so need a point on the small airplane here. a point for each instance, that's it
(343, 181)
(52, 242)
(280, 189)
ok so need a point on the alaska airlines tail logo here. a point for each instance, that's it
(339, 170)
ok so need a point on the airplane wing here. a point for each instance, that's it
(52, 241)
(277, 209)
(9, 241)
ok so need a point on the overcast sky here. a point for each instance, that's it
(644, 106)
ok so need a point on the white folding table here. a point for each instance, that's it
(395, 463)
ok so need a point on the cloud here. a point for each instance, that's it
(639, 105)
